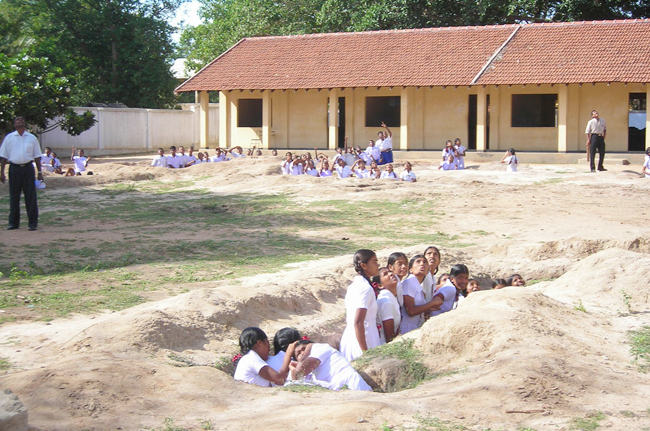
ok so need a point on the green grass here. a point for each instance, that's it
(578, 306)
(589, 423)
(4, 364)
(301, 388)
(413, 372)
(640, 348)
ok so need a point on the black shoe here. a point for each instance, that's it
(12, 227)
(602, 169)
(32, 228)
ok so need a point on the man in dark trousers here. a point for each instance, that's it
(596, 131)
(20, 149)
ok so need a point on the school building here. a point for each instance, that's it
(528, 86)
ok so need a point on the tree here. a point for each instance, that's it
(116, 50)
(227, 21)
(31, 87)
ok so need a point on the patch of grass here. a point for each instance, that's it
(628, 413)
(413, 371)
(578, 306)
(547, 182)
(206, 424)
(626, 300)
(435, 424)
(302, 388)
(589, 423)
(4, 364)
(640, 348)
(538, 280)
(181, 361)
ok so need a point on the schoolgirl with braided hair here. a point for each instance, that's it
(361, 332)
(252, 367)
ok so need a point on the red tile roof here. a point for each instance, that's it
(605, 51)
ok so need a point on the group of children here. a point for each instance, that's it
(51, 163)
(381, 303)
(179, 160)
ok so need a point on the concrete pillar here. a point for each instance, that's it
(333, 117)
(562, 118)
(404, 143)
(266, 120)
(481, 114)
(647, 115)
(224, 120)
(349, 114)
(495, 121)
(204, 118)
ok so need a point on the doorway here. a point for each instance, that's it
(637, 122)
(341, 122)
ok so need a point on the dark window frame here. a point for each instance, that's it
(383, 108)
(249, 113)
(534, 110)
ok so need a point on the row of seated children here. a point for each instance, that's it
(51, 163)
(181, 160)
(296, 359)
(305, 165)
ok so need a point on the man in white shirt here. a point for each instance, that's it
(46, 160)
(173, 161)
(596, 131)
(191, 158)
(20, 149)
(159, 161)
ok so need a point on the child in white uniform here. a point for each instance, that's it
(388, 309)
(389, 173)
(46, 160)
(311, 169)
(448, 164)
(510, 160)
(342, 169)
(646, 163)
(324, 170)
(407, 174)
(362, 172)
(80, 163)
(373, 151)
(460, 150)
(361, 308)
(327, 365)
(281, 341)
(432, 254)
(173, 161)
(252, 367)
(458, 279)
(414, 301)
(159, 161)
(286, 164)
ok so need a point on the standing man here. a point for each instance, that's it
(20, 149)
(385, 144)
(596, 131)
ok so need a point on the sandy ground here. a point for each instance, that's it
(514, 358)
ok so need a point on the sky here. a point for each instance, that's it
(187, 15)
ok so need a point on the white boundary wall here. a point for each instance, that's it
(129, 130)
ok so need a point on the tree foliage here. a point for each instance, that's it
(116, 50)
(35, 89)
(227, 21)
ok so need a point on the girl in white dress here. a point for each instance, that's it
(324, 170)
(388, 308)
(414, 302)
(361, 331)
(374, 170)
(252, 367)
(458, 279)
(281, 341)
(408, 174)
(389, 173)
(510, 160)
(326, 364)
(432, 254)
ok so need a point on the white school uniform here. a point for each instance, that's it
(359, 295)
(387, 144)
(46, 162)
(446, 166)
(408, 176)
(344, 172)
(362, 173)
(296, 169)
(391, 175)
(374, 152)
(337, 156)
(646, 165)
(313, 172)
(335, 370)
(448, 291)
(429, 287)
(366, 158)
(248, 369)
(159, 161)
(325, 173)
(183, 159)
(277, 360)
(411, 287)
(79, 163)
(221, 158)
(57, 164)
(511, 162)
(461, 160)
(173, 161)
(286, 167)
(387, 308)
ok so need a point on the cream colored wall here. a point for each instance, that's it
(242, 136)
(307, 119)
(445, 115)
(361, 133)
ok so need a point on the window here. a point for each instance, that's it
(249, 113)
(386, 109)
(534, 110)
